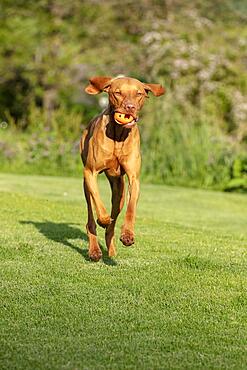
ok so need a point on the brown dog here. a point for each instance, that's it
(108, 145)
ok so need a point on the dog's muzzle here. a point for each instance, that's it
(125, 119)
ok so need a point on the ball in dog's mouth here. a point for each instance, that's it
(124, 119)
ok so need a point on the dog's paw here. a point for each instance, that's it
(104, 221)
(95, 255)
(127, 238)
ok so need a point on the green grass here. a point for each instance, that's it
(177, 300)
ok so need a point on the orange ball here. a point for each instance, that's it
(122, 118)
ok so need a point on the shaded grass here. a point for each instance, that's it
(175, 300)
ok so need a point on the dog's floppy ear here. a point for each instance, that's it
(156, 89)
(98, 84)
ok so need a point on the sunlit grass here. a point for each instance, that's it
(175, 300)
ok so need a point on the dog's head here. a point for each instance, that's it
(126, 95)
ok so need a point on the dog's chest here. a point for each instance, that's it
(113, 163)
(119, 149)
(113, 167)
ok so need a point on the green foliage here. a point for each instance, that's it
(45, 149)
(197, 49)
(238, 181)
(176, 149)
(185, 149)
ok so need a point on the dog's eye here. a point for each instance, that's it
(118, 93)
(139, 93)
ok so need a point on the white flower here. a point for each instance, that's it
(181, 64)
(204, 74)
(103, 101)
(150, 37)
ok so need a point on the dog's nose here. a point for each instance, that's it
(130, 107)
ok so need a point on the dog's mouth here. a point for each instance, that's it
(124, 119)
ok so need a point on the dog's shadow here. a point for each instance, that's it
(63, 233)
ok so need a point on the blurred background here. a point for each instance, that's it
(195, 135)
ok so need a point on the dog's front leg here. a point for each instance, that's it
(91, 181)
(127, 232)
(94, 251)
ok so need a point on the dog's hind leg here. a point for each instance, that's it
(94, 250)
(132, 168)
(117, 188)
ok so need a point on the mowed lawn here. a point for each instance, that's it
(176, 300)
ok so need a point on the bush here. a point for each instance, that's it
(51, 149)
(238, 180)
(185, 149)
(193, 136)
(182, 149)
